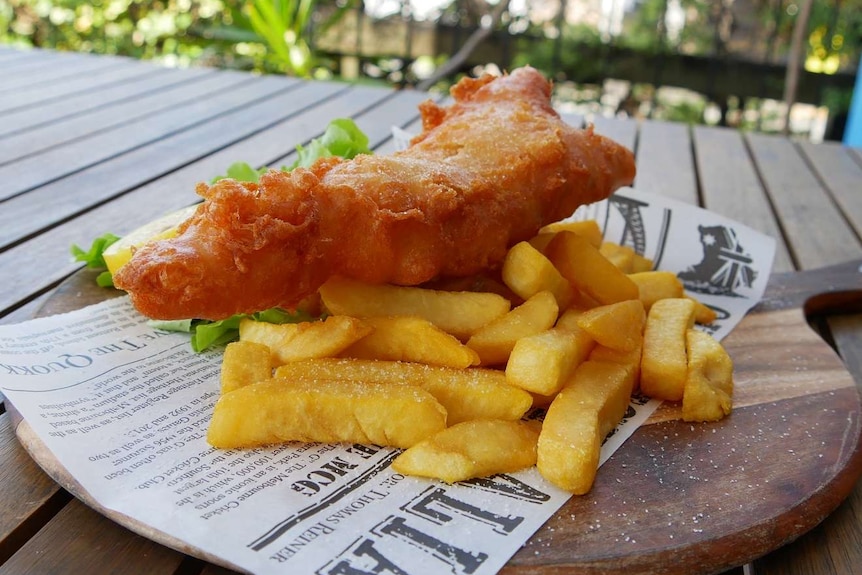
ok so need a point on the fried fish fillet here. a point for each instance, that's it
(485, 173)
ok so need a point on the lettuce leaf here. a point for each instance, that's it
(242, 172)
(94, 258)
(206, 334)
(342, 138)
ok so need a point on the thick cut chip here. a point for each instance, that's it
(625, 258)
(703, 314)
(641, 264)
(358, 370)
(709, 382)
(656, 285)
(578, 420)
(404, 338)
(263, 333)
(472, 449)
(587, 229)
(542, 363)
(458, 313)
(621, 256)
(245, 363)
(631, 359)
(495, 341)
(569, 320)
(664, 362)
(295, 341)
(588, 270)
(617, 325)
(466, 394)
(476, 394)
(481, 283)
(541, 241)
(330, 411)
(527, 272)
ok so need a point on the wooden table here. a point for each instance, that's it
(93, 144)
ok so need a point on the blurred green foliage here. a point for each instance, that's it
(261, 35)
(567, 54)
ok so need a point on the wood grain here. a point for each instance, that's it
(834, 546)
(228, 91)
(201, 83)
(665, 161)
(842, 175)
(80, 540)
(64, 198)
(812, 225)
(731, 187)
(30, 497)
(622, 131)
(79, 73)
(125, 83)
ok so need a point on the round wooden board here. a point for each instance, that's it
(681, 497)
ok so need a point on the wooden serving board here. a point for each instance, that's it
(681, 497)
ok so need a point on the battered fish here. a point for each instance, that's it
(485, 173)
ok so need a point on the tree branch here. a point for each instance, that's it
(794, 61)
(457, 60)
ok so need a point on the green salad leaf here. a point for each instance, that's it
(242, 172)
(342, 138)
(206, 334)
(94, 258)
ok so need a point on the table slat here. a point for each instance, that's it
(665, 162)
(23, 313)
(81, 125)
(412, 127)
(30, 498)
(129, 84)
(59, 200)
(77, 74)
(573, 119)
(228, 91)
(841, 173)
(730, 186)
(79, 540)
(622, 131)
(30, 62)
(816, 233)
(8, 54)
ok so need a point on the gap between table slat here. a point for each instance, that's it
(30, 498)
(797, 196)
(76, 76)
(730, 186)
(232, 91)
(89, 124)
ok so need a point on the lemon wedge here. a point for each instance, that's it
(120, 252)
